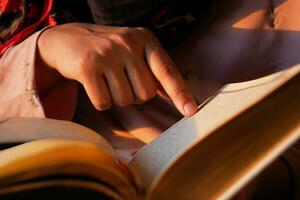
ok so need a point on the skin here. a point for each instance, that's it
(241, 45)
(116, 65)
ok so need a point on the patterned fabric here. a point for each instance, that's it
(20, 18)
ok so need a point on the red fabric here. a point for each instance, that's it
(10, 5)
(19, 37)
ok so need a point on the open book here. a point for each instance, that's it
(235, 134)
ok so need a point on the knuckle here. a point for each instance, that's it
(167, 70)
(125, 30)
(143, 30)
(86, 63)
(125, 36)
(119, 37)
(180, 93)
(131, 38)
(107, 46)
(146, 33)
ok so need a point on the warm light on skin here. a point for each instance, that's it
(123, 134)
(261, 19)
(146, 134)
(253, 21)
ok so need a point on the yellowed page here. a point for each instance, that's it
(222, 163)
(20, 130)
(157, 157)
(46, 158)
(57, 143)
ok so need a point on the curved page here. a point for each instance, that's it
(21, 130)
(218, 166)
(45, 159)
(156, 157)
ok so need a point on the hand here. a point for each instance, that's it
(115, 65)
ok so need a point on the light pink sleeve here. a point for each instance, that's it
(18, 94)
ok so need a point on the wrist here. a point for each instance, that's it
(45, 73)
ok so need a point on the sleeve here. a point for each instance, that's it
(18, 86)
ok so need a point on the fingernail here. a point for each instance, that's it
(190, 108)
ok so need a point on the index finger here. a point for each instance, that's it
(169, 77)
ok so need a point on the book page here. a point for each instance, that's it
(55, 160)
(155, 158)
(226, 160)
(21, 130)
(53, 145)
